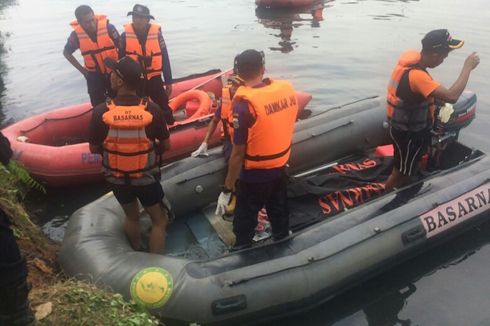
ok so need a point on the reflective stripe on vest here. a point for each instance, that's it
(94, 53)
(149, 55)
(275, 108)
(129, 157)
(403, 116)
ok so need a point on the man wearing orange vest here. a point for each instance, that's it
(97, 40)
(131, 135)
(144, 43)
(411, 101)
(264, 112)
(223, 114)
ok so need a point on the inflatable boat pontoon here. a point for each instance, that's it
(53, 145)
(198, 281)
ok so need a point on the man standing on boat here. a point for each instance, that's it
(131, 135)
(97, 40)
(411, 101)
(144, 43)
(263, 117)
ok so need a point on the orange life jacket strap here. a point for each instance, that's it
(127, 173)
(149, 150)
(97, 51)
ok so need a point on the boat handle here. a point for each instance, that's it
(227, 305)
(413, 234)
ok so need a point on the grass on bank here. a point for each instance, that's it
(62, 301)
(88, 305)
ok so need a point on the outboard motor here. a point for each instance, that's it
(463, 113)
(450, 119)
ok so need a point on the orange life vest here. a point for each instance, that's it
(94, 53)
(149, 55)
(226, 112)
(274, 108)
(226, 116)
(402, 115)
(129, 157)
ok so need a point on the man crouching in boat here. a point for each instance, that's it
(263, 117)
(131, 134)
(411, 101)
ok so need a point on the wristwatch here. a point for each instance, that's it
(226, 190)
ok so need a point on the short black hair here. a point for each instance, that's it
(82, 11)
(249, 63)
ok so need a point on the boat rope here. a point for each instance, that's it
(54, 119)
(349, 103)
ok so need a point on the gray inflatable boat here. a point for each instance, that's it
(198, 281)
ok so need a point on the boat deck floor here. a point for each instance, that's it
(204, 235)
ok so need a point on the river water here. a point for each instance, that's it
(342, 52)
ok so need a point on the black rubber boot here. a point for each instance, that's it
(15, 309)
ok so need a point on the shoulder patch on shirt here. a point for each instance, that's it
(236, 124)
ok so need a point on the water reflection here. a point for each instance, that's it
(3, 68)
(286, 20)
(383, 300)
(384, 311)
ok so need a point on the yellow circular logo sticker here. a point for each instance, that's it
(152, 287)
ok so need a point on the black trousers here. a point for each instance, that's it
(13, 268)
(153, 89)
(251, 197)
(99, 88)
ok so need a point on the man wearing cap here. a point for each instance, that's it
(264, 112)
(411, 101)
(97, 40)
(144, 43)
(131, 134)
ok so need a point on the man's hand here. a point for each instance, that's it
(223, 201)
(201, 151)
(472, 61)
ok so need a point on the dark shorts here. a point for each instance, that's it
(409, 147)
(147, 195)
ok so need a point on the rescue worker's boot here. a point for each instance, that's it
(15, 309)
